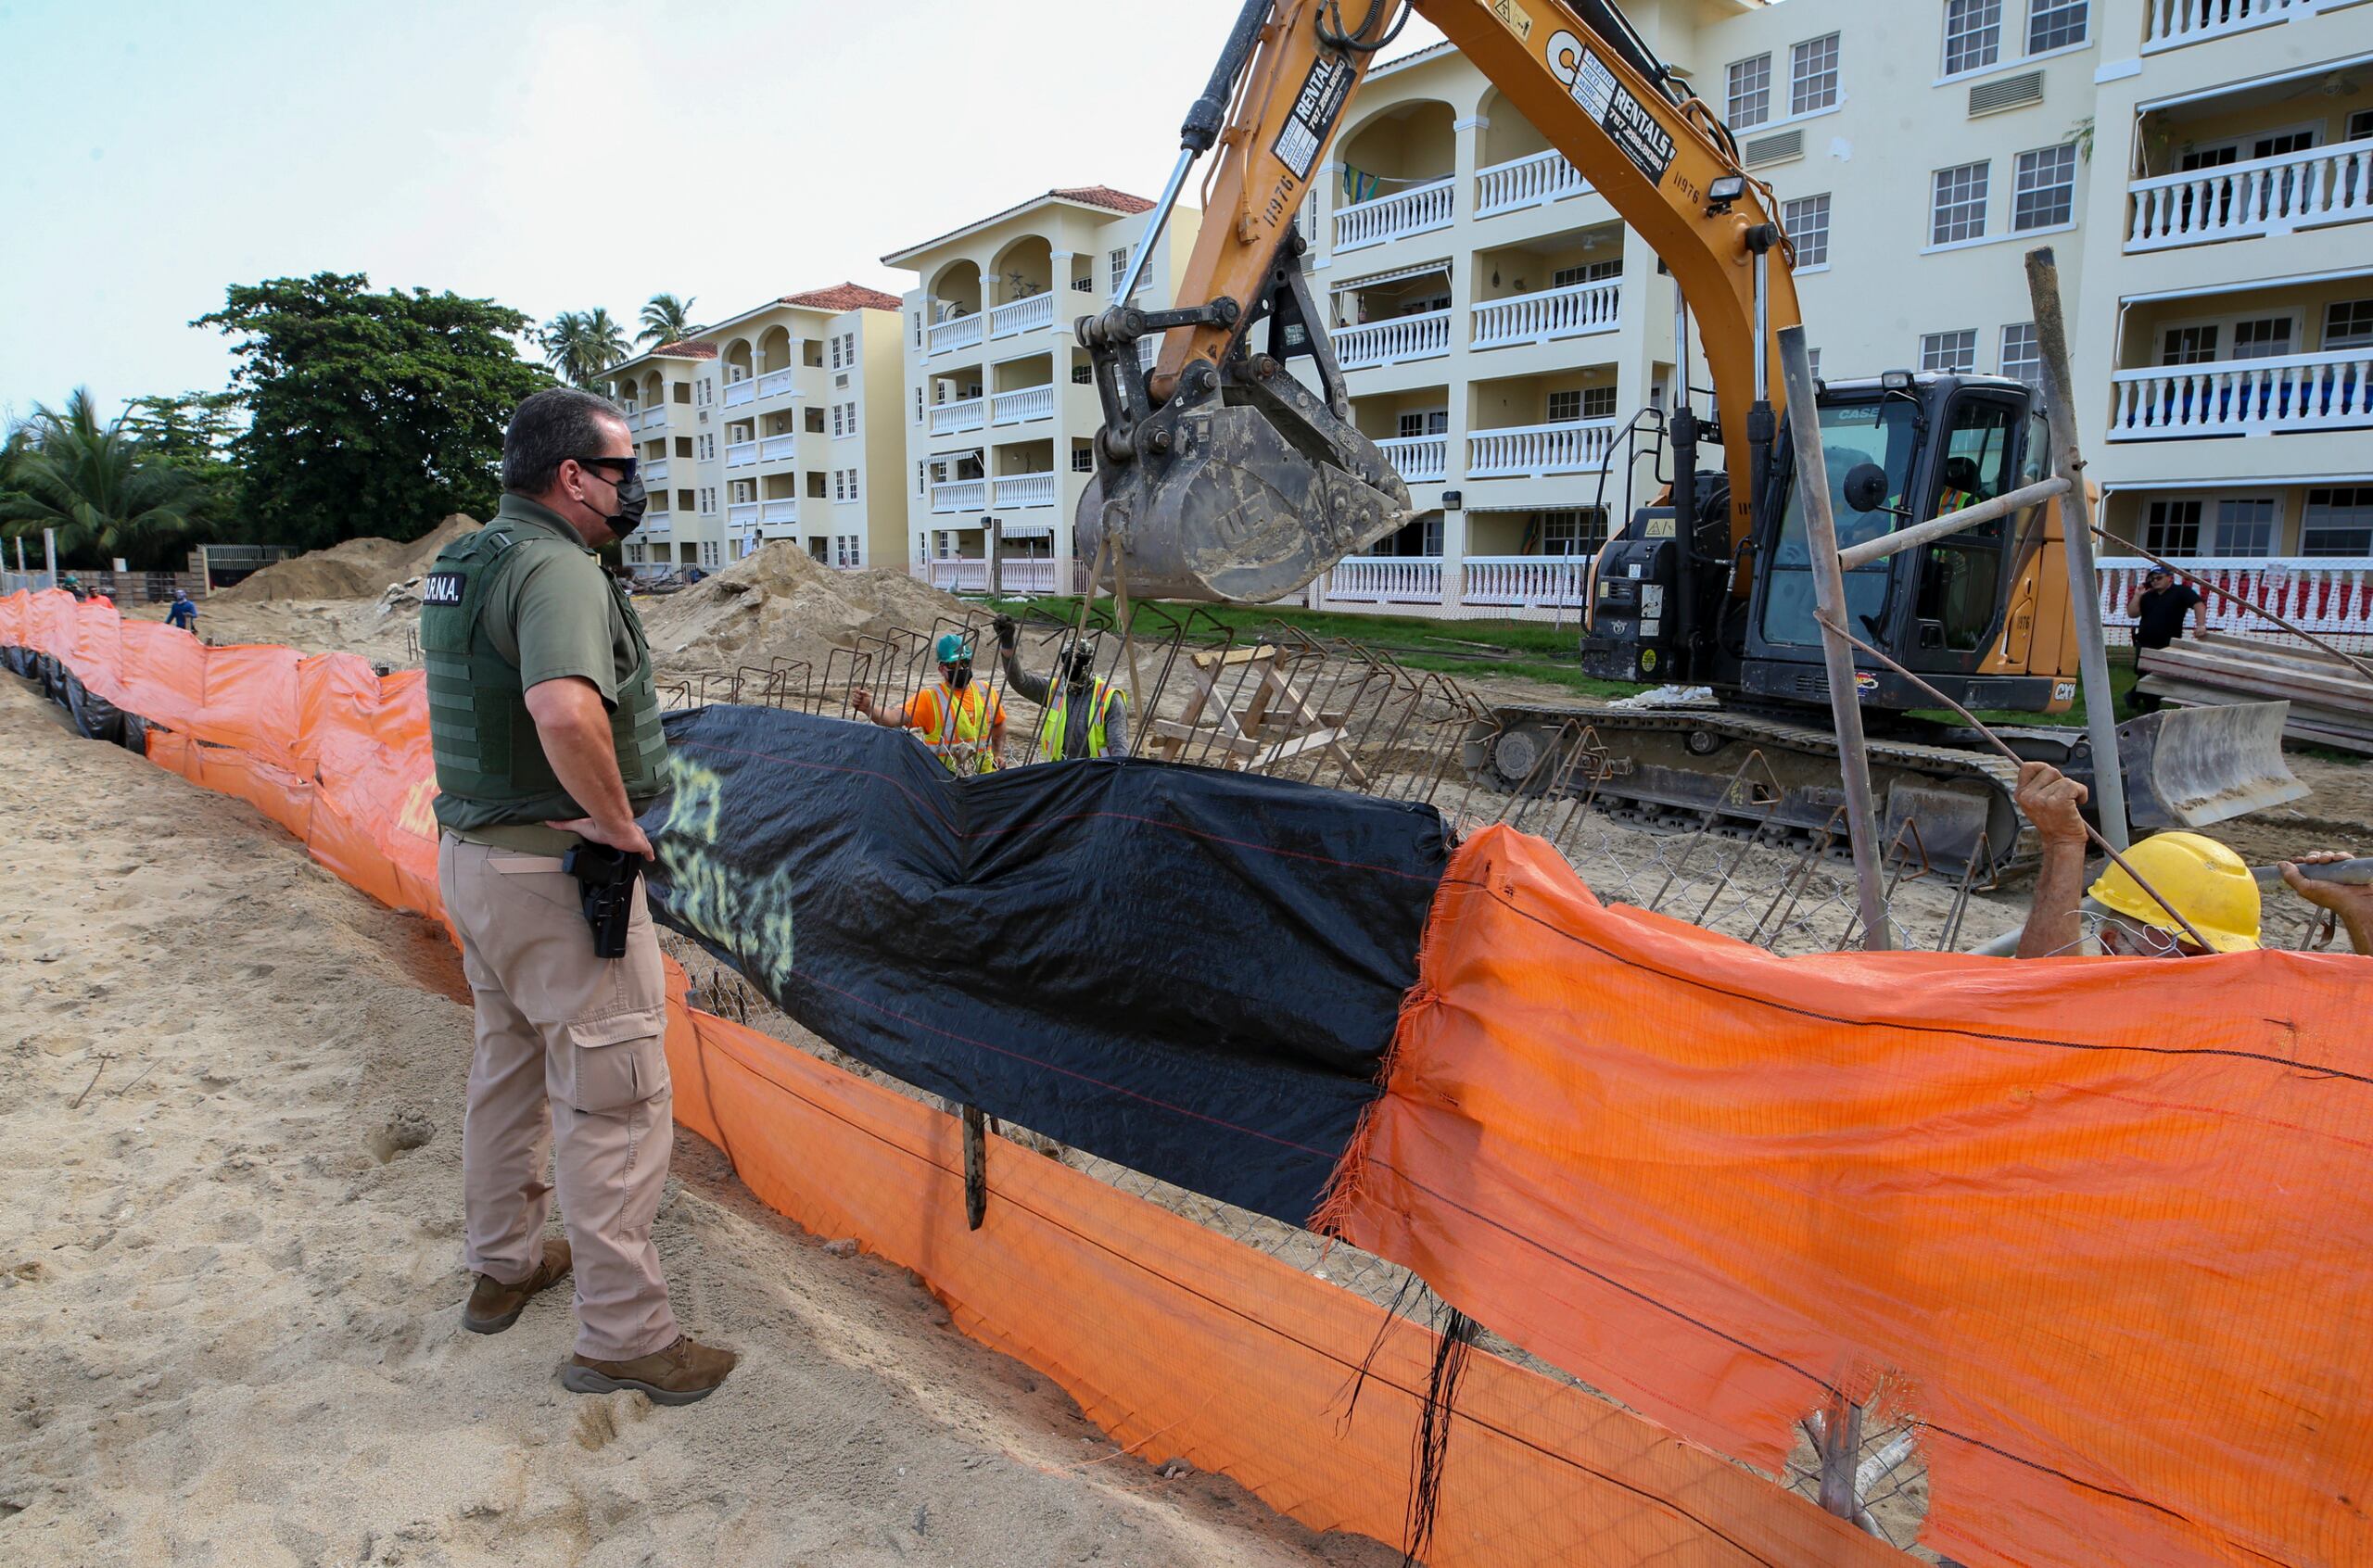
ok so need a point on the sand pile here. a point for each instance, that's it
(780, 603)
(359, 568)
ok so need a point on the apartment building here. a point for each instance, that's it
(781, 422)
(998, 406)
(2196, 164)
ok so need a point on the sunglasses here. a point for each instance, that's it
(621, 468)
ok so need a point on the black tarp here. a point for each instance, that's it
(1190, 972)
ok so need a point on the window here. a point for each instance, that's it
(2172, 528)
(1081, 375)
(704, 391)
(845, 550)
(2055, 24)
(837, 431)
(1579, 532)
(1813, 355)
(848, 350)
(1812, 75)
(2360, 126)
(1117, 263)
(1958, 210)
(837, 363)
(1954, 353)
(1750, 92)
(1564, 407)
(918, 329)
(1428, 421)
(848, 413)
(1972, 34)
(704, 447)
(2245, 525)
(845, 485)
(2337, 521)
(2023, 354)
(1598, 402)
(2348, 324)
(918, 405)
(2267, 337)
(740, 492)
(1082, 458)
(2043, 192)
(708, 500)
(1806, 221)
(1590, 273)
(812, 419)
(2187, 345)
(708, 552)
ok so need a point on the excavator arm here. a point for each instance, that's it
(1219, 476)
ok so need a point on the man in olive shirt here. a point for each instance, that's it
(544, 723)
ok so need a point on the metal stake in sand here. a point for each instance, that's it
(1829, 594)
(2084, 584)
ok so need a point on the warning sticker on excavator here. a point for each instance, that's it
(1323, 93)
(1603, 95)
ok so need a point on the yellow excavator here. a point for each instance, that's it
(1220, 475)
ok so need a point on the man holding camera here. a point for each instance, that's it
(544, 722)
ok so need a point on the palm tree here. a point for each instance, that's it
(667, 320)
(91, 483)
(580, 344)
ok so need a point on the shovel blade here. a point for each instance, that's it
(2189, 767)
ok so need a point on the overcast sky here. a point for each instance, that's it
(548, 155)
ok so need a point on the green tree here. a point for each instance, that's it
(369, 412)
(194, 432)
(98, 488)
(667, 320)
(580, 344)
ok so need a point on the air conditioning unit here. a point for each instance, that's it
(1776, 148)
(2008, 92)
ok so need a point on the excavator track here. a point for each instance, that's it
(1683, 768)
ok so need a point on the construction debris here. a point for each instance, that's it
(781, 603)
(2331, 704)
(359, 568)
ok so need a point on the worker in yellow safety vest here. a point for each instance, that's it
(1084, 716)
(963, 724)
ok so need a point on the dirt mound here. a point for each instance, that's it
(780, 603)
(359, 568)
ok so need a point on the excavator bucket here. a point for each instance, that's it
(1250, 500)
(2189, 767)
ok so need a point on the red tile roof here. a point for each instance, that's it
(686, 351)
(1105, 196)
(844, 296)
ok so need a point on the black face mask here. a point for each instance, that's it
(959, 675)
(632, 501)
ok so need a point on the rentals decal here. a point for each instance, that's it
(1603, 97)
(1323, 93)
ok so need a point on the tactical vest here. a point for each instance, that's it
(1052, 726)
(491, 770)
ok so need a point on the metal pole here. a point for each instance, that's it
(1829, 595)
(1154, 222)
(997, 556)
(49, 553)
(2084, 584)
(1951, 522)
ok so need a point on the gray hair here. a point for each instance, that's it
(550, 427)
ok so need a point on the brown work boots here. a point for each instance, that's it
(494, 1306)
(684, 1371)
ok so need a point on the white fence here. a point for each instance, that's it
(775, 383)
(739, 392)
(1415, 211)
(1527, 181)
(970, 575)
(2332, 597)
(1026, 489)
(2244, 397)
(655, 472)
(2264, 196)
(741, 454)
(774, 449)
(1525, 582)
(1386, 579)
(1531, 451)
(962, 332)
(778, 512)
(742, 514)
(959, 495)
(1419, 337)
(654, 418)
(1029, 403)
(1417, 458)
(1033, 314)
(2168, 24)
(966, 413)
(1571, 311)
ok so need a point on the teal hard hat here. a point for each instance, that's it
(952, 647)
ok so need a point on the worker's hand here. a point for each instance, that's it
(2053, 802)
(1008, 633)
(629, 838)
(2338, 897)
(861, 699)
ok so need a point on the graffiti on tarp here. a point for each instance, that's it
(727, 904)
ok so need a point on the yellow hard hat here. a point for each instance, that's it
(2200, 877)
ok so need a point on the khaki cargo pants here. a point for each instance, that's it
(570, 1065)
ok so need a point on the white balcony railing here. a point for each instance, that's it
(1033, 314)
(777, 512)
(2332, 597)
(2264, 196)
(1575, 311)
(1527, 181)
(778, 449)
(741, 454)
(1526, 582)
(959, 495)
(1017, 408)
(966, 413)
(1415, 210)
(1386, 579)
(1026, 489)
(742, 514)
(737, 393)
(655, 472)
(2245, 397)
(2169, 24)
(1389, 342)
(962, 332)
(1417, 458)
(957, 573)
(776, 383)
(653, 417)
(1530, 451)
